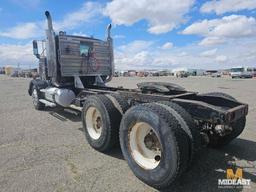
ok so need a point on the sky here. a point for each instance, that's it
(148, 34)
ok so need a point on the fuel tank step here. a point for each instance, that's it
(47, 103)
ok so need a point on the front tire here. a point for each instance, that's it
(35, 97)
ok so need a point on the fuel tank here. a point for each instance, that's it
(63, 97)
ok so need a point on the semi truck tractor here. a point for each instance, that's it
(160, 126)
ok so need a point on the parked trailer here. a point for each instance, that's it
(160, 126)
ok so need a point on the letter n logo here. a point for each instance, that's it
(238, 175)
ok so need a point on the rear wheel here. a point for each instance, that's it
(189, 127)
(219, 94)
(35, 98)
(237, 126)
(159, 87)
(119, 102)
(154, 144)
(146, 145)
(101, 120)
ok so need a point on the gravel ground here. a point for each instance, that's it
(47, 151)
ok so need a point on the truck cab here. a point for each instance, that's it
(68, 63)
(68, 56)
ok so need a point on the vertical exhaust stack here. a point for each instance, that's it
(49, 20)
(51, 50)
(110, 44)
(108, 32)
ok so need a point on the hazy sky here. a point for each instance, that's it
(148, 34)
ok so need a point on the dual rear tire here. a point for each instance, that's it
(156, 143)
(155, 138)
(158, 140)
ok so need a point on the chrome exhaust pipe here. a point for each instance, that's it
(108, 31)
(49, 20)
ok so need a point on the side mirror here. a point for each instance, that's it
(35, 49)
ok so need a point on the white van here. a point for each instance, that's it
(240, 72)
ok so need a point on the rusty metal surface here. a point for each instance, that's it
(235, 113)
(199, 107)
(73, 63)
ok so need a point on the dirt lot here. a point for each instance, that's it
(47, 150)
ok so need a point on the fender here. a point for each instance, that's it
(38, 83)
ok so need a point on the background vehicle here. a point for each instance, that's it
(181, 74)
(252, 70)
(160, 126)
(216, 74)
(240, 72)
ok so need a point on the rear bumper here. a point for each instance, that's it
(236, 113)
(211, 111)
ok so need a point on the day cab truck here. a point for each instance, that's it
(160, 126)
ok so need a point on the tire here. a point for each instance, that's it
(237, 126)
(219, 94)
(119, 102)
(101, 134)
(36, 96)
(190, 127)
(173, 141)
(160, 87)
